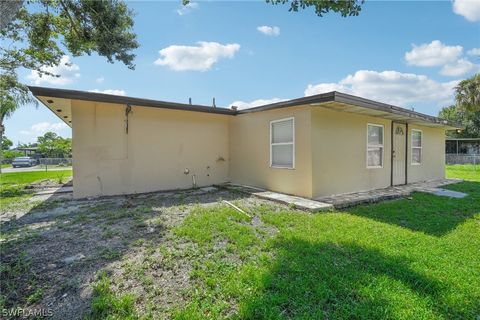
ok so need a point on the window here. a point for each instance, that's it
(282, 146)
(374, 146)
(416, 147)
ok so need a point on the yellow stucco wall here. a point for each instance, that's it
(433, 155)
(250, 152)
(160, 144)
(339, 144)
(330, 151)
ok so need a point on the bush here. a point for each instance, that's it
(9, 154)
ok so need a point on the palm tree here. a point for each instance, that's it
(467, 94)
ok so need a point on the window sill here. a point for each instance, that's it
(277, 167)
(376, 167)
(416, 164)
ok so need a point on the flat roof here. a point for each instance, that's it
(351, 100)
(111, 98)
(332, 100)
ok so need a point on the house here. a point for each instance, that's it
(314, 146)
(31, 150)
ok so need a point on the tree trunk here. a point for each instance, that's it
(2, 128)
(8, 11)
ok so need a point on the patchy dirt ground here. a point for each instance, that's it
(52, 250)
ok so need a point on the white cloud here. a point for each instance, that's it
(474, 52)
(269, 31)
(438, 54)
(433, 54)
(459, 68)
(469, 9)
(100, 79)
(195, 58)
(110, 91)
(39, 129)
(184, 9)
(390, 87)
(66, 70)
(260, 102)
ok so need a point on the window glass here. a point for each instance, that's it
(282, 131)
(416, 138)
(374, 146)
(416, 147)
(374, 157)
(282, 144)
(417, 155)
(282, 155)
(375, 135)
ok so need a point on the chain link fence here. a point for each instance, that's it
(55, 163)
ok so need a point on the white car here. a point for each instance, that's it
(23, 162)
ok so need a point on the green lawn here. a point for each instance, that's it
(22, 178)
(406, 259)
(6, 165)
(12, 184)
(415, 258)
(464, 171)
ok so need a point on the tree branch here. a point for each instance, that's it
(65, 8)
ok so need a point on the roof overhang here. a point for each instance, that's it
(61, 107)
(59, 101)
(352, 104)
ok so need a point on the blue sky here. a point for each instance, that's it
(246, 53)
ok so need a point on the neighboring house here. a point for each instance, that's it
(31, 151)
(314, 146)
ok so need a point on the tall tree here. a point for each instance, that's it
(470, 120)
(467, 94)
(54, 146)
(36, 34)
(344, 7)
(6, 143)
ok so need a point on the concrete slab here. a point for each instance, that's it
(345, 200)
(297, 202)
(54, 190)
(340, 201)
(448, 193)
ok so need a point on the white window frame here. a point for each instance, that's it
(376, 146)
(282, 143)
(412, 147)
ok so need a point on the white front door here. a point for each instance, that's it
(399, 136)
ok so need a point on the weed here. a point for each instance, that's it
(60, 177)
(109, 253)
(35, 296)
(107, 305)
(11, 271)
